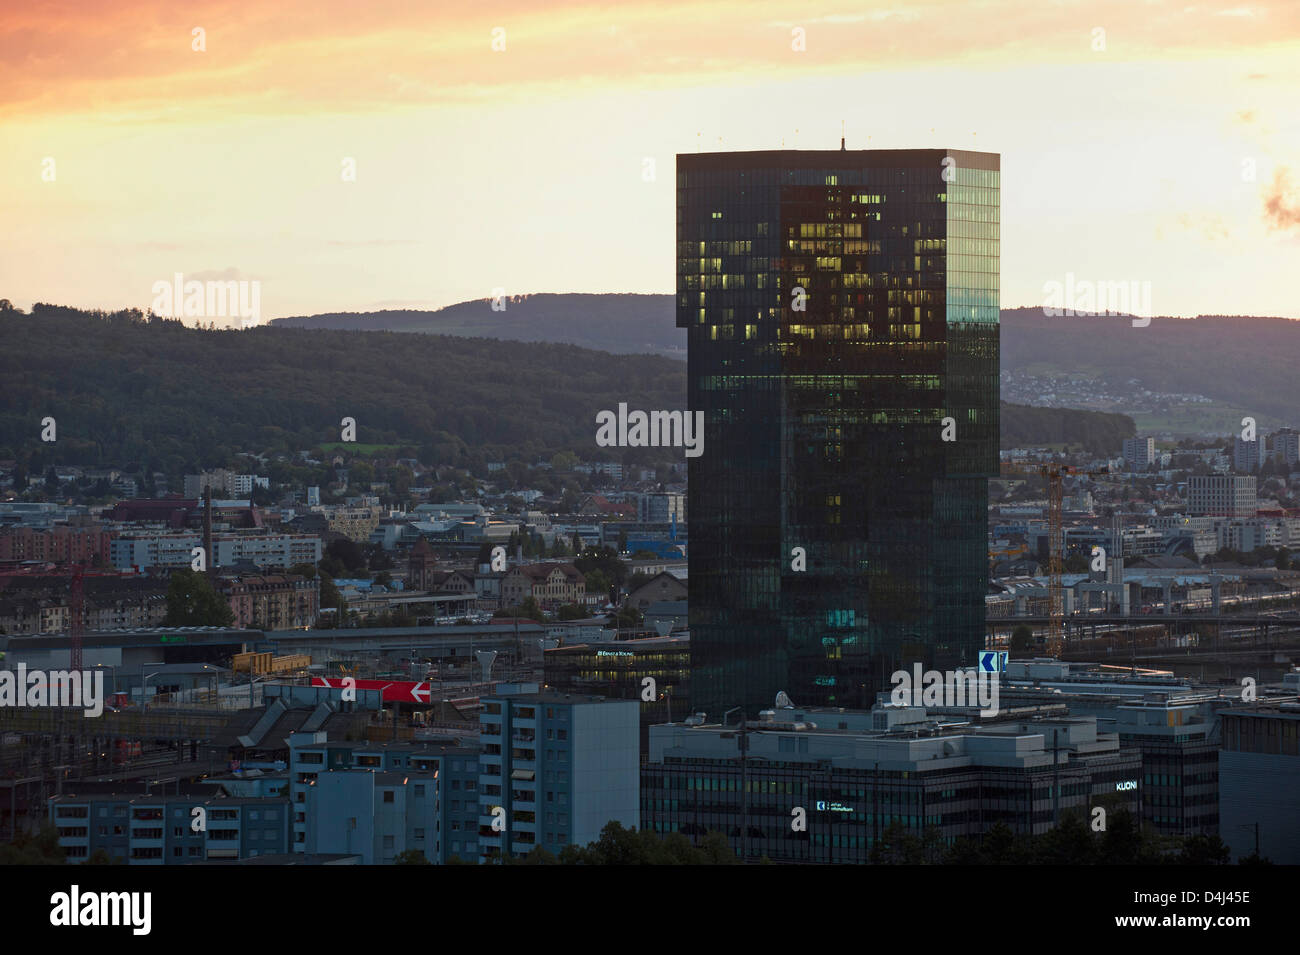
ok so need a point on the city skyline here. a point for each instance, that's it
(1130, 147)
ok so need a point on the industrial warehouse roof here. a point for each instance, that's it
(366, 633)
(148, 636)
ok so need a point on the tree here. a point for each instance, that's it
(597, 583)
(625, 618)
(192, 602)
(1022, 639)
(717, 851)
(39, 848)
(1204, 850)
(571, 612)
(529, 608)
(605, 559)
(538, 856)
(100, 857)
(897, 845)
(348, 553)
(411, 857)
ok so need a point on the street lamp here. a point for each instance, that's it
(144, 683)
(113, 667)
(1254, 826)
(743, 742)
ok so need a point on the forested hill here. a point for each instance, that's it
(1237, 361)
(1098, 432)
(123, 388)
(1241, 361)
(128, 389)
(623, 324)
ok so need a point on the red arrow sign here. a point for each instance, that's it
(394, 692)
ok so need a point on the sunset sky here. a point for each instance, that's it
(522, 168)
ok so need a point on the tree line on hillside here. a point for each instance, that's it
(1095, 432)
(134, 387)
(1203, 355)
(149, 394)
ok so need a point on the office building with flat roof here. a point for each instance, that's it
(856, 774)
(1259, 777)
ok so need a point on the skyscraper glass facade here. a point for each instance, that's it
(839, 307)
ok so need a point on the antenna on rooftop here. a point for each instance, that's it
(841, 135)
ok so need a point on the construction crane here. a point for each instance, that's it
(76, 597)
(1055, 475)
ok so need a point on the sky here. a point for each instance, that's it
(353, 157)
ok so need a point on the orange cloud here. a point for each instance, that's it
(1281, 203)
(134, 60)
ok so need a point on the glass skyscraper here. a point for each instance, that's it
(840, 307)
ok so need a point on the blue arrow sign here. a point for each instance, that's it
(989, 661)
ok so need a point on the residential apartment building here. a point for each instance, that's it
(555, 769)
(1247, 535)
(1286, 446)
(374, 814)
(40, 605)
(145, 549)
(1139, 453)
(59, 544)
(165, 829)
(426, 793)
(223, 482)
(1247, 456)
(273, 601)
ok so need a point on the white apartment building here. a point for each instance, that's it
(1139, 453)
(1247, 456)
(223, 482)
(145, 550)
(1286, 446)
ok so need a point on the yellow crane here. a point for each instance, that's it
(1055, 475)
